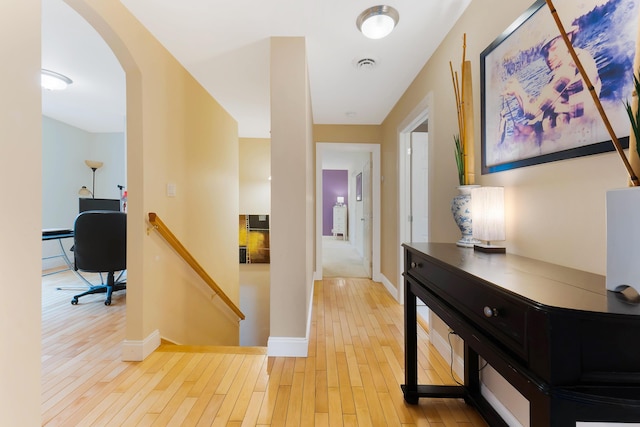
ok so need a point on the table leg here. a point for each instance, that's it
(410, 346)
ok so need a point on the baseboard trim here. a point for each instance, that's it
(287, 347)
(292, 346)
(502, 410)
(393, 291)
(138, 350)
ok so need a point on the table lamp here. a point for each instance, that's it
(487, 218)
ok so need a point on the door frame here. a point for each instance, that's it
(422, 112)
(374, 149)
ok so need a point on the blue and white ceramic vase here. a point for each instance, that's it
(461, 209)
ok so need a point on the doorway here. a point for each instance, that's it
(413, 158)
(68, 141)
(362, 236)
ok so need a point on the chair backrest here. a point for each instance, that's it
(100, 241)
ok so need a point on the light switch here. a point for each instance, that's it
(171, 190)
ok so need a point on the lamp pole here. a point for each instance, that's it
(93, 187)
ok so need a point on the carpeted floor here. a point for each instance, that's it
(340, 259)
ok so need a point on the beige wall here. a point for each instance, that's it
(555, 211)
(292, 183)
(255, 198)
(255, 170)
(353, 134)
(176, 133)
(20, 215)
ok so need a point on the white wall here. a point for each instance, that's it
(64, 150)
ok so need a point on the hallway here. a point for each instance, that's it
(341, 259)
(351, 377)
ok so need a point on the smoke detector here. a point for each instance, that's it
(366, 64)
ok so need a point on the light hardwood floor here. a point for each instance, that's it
(351, 376)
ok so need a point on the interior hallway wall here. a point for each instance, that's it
(176, 134)
(255, 199)
(292, 198)
(21, 212)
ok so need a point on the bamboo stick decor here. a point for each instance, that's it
(467, 106)
(632, 175)
(463, 92)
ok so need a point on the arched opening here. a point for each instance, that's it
(131, 128)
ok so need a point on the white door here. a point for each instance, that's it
(358, 224)
(415, 190)
(419, 187)
(367, 216)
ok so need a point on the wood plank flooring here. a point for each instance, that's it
(351, 376)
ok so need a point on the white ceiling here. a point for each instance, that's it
(225, 46)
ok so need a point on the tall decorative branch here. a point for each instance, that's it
(594, 95)
(464, 144)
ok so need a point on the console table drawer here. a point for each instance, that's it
(502, 317)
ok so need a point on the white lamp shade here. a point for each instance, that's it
(85, 192)
(487, 213)
(340, 200)
(93, 164)
(378, 26)
(377, 21)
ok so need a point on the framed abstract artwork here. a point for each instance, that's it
(253, 237)
(535, 105)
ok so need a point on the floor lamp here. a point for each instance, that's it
(94, 165)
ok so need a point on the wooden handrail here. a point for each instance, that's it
(182, 251)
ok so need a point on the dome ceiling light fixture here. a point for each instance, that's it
(51, 80)
(377, 21)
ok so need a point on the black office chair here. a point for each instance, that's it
(100, 246)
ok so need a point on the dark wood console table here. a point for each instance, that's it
(568, 345)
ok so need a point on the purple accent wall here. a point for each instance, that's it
(334, 183)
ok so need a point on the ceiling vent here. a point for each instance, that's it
(366, 64)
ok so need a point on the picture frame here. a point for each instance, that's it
(359, 187)
(535, 107)
(254, 239)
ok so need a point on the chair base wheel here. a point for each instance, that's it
(74, 301)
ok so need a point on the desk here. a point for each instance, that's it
(59, 234)
(568, 345)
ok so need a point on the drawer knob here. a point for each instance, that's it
(415, 264)
(490, 312)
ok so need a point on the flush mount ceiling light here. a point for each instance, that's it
(377, 21)
(51, 80)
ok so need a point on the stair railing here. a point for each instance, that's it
(173, 241)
